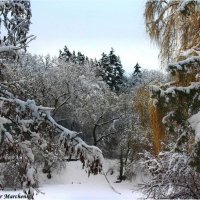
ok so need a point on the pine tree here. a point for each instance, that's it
(137, 75)
(111, 70)
(66, 54)
(80, 58)
(137, 69)
(74, 57)
(105, 68)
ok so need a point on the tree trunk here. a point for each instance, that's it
(94, 135)
(121, 167)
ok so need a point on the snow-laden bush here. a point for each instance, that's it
(171, 177)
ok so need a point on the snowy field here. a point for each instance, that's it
(74, 184)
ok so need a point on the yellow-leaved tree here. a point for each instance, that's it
(174, 25)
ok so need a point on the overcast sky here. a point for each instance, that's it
(93, 27)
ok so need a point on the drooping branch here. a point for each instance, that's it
(173, 25)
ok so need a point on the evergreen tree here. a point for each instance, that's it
(74, 57)
(137, 69)
(137, 75)
(81, 58)
(66, 54)
(105, 68)
(111, 70)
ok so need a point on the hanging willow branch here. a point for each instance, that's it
(173, 25)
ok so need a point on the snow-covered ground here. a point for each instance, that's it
(74, 184)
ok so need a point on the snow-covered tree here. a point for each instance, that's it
(29, 136)
(137, 69)
(71, 57)
(66, 54)
(111, 70)
(136, 77)
(175, 27)
(15, 20)
(84, 103)
(184, 71)
(80, 98)
(80, 58)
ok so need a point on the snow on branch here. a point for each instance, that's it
(173, 91)
(28, 130)
(15, 18)
(185, 65)
(40, 113)
(194, 121)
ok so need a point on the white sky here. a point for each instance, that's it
(93, 27)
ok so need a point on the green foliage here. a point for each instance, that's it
(67, 56)
(111, 70)
(137, 69)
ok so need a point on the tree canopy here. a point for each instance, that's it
(173, 26)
